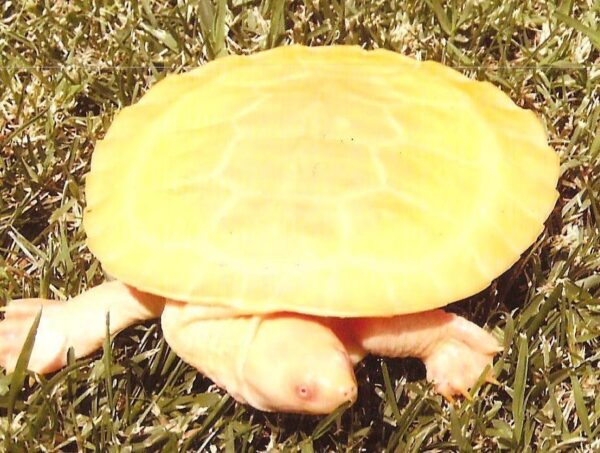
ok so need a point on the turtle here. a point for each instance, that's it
(289, 212)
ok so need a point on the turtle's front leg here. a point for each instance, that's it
(79, 323)
(455, 351)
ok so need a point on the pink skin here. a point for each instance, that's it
(80, 324)
(454, 350)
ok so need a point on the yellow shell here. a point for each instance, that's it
(332, 181)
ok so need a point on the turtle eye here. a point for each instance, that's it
(305, 391)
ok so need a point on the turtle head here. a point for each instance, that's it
(296, 364)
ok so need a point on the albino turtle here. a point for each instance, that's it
(287, 213)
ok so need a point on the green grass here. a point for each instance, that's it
(67, 66)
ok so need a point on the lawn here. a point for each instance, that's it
(66, 67)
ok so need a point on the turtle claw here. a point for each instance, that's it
(465, 393)
(448, 397)
(491, 379)
(448, 394)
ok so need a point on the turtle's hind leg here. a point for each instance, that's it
(79, 323)
(455, 351)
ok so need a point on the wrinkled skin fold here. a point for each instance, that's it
(283, 362)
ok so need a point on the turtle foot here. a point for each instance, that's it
(456, 362)
(49, 351)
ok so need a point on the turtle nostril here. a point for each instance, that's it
(349, 393)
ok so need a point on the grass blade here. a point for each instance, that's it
(580, 407)
(520, 382)
(324, 424)
(276, 10)
(442, 18)
(212, 26)
(390, 395)
(594, 35)
(107, 361)
(18, 376)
